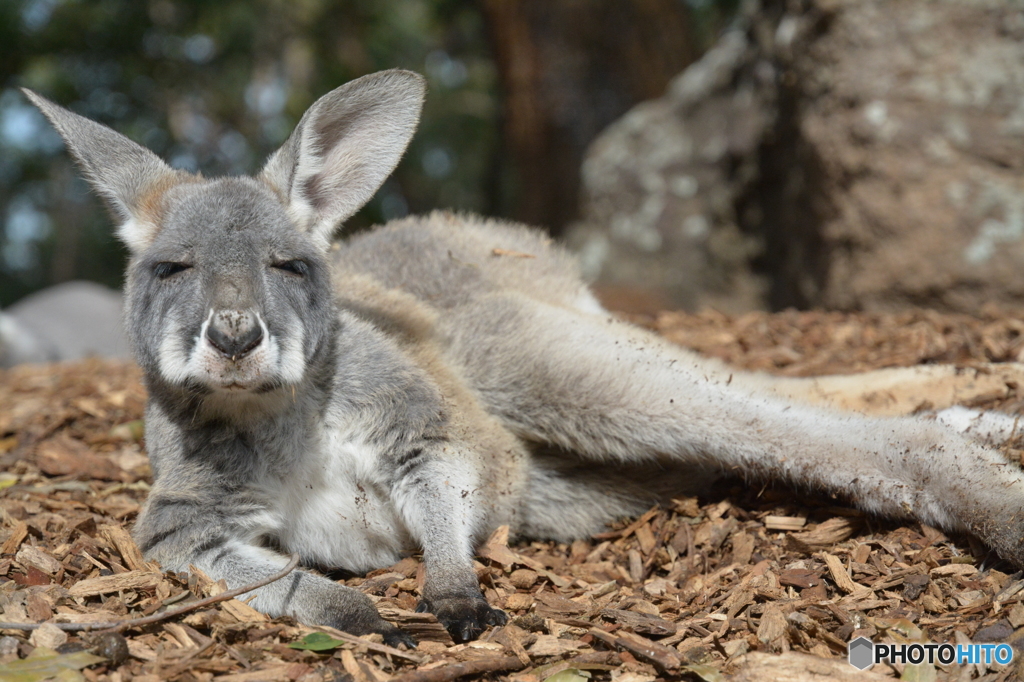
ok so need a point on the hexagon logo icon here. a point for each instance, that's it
(861, 653)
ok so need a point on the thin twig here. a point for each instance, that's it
(372, 646)
(662, 657)
(600, 660)
(119, 625)
(456, 670)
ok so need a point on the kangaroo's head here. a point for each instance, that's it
(228, 288)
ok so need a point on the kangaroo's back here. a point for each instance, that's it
(445, 260)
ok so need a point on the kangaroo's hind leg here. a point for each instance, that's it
(568, 496)
(615, 393)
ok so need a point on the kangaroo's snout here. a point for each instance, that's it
(234, 333)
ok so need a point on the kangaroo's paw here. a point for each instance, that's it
(464, 617)
(348, 610)
(987, 428)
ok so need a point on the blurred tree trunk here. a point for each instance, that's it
(568, 68)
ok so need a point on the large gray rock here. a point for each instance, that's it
(67, 321)
(840, 153)
(661, 185)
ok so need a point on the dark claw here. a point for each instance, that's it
(464, 618)
(394, 637)
(496, 617)
(468, 631)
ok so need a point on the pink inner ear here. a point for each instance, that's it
(341, 179)
(346, 145)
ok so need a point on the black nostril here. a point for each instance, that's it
(249, 340)
(235, 346)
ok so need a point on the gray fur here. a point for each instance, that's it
(423, 383)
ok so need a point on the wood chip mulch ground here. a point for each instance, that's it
(752, 584)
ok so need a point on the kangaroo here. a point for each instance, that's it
(423, 383)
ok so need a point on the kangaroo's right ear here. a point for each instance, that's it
(344, 148)
(125, 174)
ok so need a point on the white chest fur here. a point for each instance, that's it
(333, 512)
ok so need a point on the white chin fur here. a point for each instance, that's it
(271, 361)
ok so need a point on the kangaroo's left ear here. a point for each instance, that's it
(344, 148)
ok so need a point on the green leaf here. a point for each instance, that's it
(317, 641)
(46, 664)
(705, 672)
(901, 629)
(569, 675)
(133, 430)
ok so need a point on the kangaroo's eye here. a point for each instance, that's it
(168, 269)
(295, 267)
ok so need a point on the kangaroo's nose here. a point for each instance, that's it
(234, 333)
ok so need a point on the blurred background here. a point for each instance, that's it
(754, 155)
(517, 90)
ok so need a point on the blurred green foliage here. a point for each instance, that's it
(217, 86)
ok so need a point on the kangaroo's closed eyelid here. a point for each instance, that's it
(166, 269)
(295, 267)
